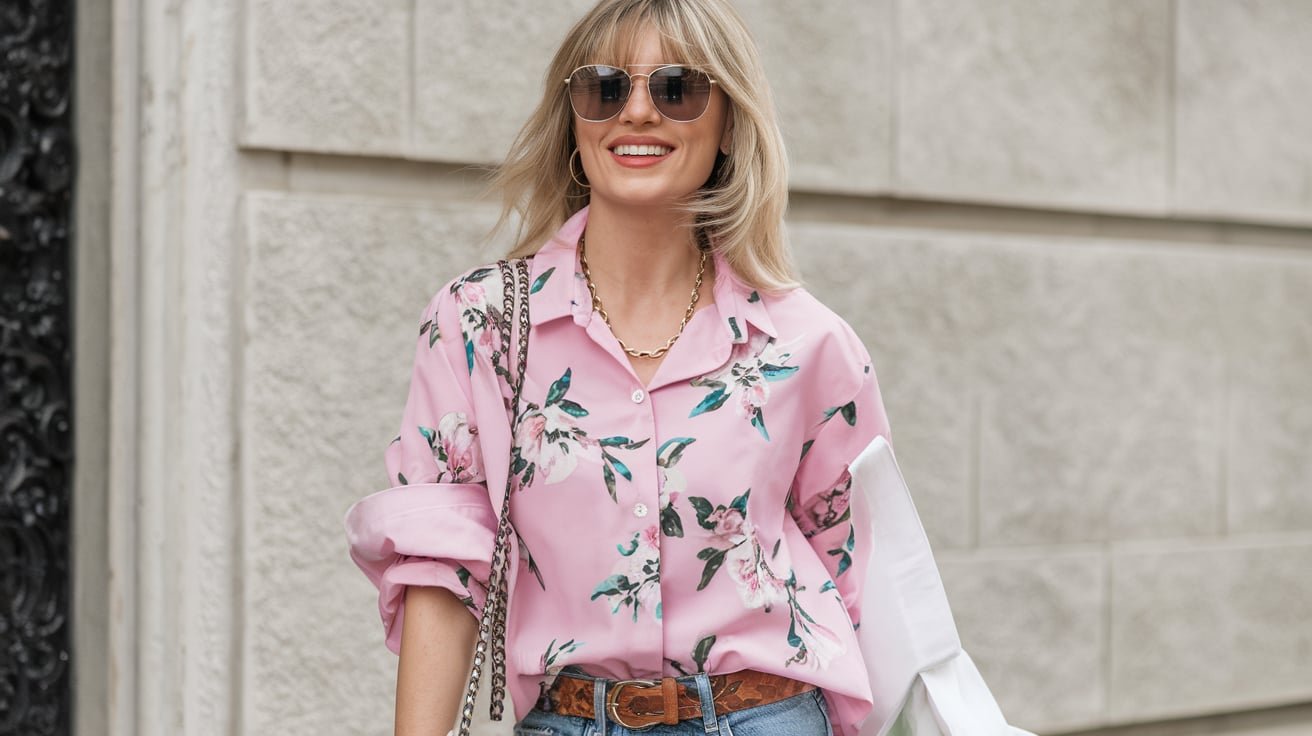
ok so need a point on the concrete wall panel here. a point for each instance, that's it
(1059, 103)
(1269, 331)
(327, 75)
(336, 287)
(1210, 629)
(830, 66)
(479, 72)
(1244, 109)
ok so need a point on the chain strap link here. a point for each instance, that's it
(492, 622)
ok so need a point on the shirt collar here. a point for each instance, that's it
(559, 289)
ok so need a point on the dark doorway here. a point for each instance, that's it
(36, 179)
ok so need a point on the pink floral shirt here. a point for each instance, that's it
(699, 523)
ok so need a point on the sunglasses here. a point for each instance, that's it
(598, 92)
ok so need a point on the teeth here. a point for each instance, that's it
(642, 150)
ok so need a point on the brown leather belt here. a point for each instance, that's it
(639, 704)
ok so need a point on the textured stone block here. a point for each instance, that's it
(1052, 393)
(479, 72)
(1033, 624)
(1208, 630)
(335, 288)
(1244, 109)
(1269, 331)
(1103, 396)
(1039, 102)
(830, 66)
(327, 75)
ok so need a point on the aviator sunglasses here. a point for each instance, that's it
(598, 92)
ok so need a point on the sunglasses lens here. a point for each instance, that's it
(680, 93)
(598, 92)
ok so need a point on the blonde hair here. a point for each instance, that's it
(740, 210)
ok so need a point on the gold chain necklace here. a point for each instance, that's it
(687, 315)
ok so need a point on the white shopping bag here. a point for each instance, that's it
(924, 683)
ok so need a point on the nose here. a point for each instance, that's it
(640, 108)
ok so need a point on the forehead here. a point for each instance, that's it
(642, 43)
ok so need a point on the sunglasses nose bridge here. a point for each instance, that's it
(628, 99)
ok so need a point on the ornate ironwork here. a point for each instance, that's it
(36, 179)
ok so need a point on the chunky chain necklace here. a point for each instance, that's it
(687, 315)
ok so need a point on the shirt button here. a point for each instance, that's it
(640, 509)
(638, 396)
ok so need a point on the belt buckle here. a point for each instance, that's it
(612, 705)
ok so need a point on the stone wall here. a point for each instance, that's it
(1083, 231)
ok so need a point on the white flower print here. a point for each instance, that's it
(456, 451)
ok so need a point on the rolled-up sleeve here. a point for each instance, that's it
(435, 525)
(822, 488)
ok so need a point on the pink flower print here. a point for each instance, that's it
(458, 453)
(827, 509)
(728, 522)
(819, 645)
(651, 537)
(470, 293)
(757, 585)
(751, 398)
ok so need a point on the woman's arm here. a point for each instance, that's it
(437, 640)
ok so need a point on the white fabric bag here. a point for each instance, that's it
(924, 683)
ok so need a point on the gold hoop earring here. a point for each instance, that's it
(574, 176)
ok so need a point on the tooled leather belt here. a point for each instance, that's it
(639, 704)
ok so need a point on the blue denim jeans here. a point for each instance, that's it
(805, 714)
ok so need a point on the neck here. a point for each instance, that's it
(640, 254)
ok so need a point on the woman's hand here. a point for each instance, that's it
(437, 640)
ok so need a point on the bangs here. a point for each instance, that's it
(614, 39)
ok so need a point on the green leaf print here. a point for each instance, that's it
(848, 411)
(844, 553)
(541, 281)
(613, 585)
(559, 388)
(671, 450)
(714, 558)
(758, 421)
(703, 509)
(714, 400)
(429, 434)
(671, 524)
(702, 651)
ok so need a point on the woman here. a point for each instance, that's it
(689, 413)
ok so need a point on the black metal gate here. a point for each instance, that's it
(36, 179)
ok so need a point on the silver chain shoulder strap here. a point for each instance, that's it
(492, 622)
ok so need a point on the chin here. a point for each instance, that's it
(644, 196)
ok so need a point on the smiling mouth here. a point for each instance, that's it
(641, 150)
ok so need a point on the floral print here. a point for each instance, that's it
(753, 366)
(549, 441)
(757, 584)
(635, 582)
(827, 509)
(455, 449)
(479, 314)
(465, 577)
(672, 483)
(699, 656)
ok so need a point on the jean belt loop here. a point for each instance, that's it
(599, 704)
(709, 720)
